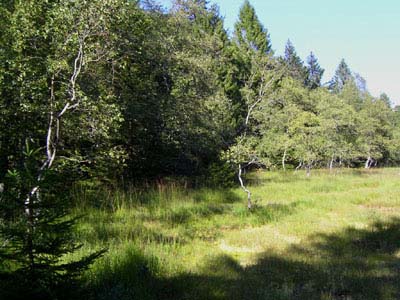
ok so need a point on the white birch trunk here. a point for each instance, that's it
(249, 204)
(283, 160)
(331, 163)
(299, 166)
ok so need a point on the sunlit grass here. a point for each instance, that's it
(172, 243)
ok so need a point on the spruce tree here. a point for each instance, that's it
(314, 72)
(342, 76)
(37, 234)
(293, 63)
(249, 31)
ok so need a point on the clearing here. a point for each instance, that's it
(332, 236)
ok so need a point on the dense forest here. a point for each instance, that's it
(115, 93)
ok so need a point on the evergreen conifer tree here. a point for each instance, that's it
(294, 64)
(361, 83)
(314, 72)
(249, 31)
(342, 76)
(37, 234)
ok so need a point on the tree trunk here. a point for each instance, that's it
(299, 166)
(368, 163)
(249, 204)
(331, 163)
(283, 160)
(308, 170)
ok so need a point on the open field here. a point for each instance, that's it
(332, 236)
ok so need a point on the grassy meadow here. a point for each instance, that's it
(335, 235)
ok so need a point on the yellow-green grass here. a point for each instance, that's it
(335, 235)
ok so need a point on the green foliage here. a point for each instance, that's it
(293, 64)
(220, 174)
(113, 92)
(341, 77)
(36, 234)
(314, 72)
(250, 33)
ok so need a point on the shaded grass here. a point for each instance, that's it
(331, 236)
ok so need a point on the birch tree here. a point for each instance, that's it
(258, 88)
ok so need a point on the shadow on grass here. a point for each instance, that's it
(353, 264)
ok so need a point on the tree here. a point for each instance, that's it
(339, 127)
(385, 98)
(308, 139)
(170, 87)
(37, 234)
(54, 45)
(259, 86)
(314, 72)
(274, 120)
(250, 33)
(361, 83)
(341, 77)
(294, 126)
(374, 131)
(294, 64)
(352, 95)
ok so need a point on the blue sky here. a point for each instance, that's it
(366, 33)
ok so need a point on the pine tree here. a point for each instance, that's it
(342, 76)
(293, 63)
(249, 31)
(314, 72)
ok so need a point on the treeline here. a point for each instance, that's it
(168, 92)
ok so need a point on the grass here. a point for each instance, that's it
(332, 236)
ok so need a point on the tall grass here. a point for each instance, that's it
(170, 242)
